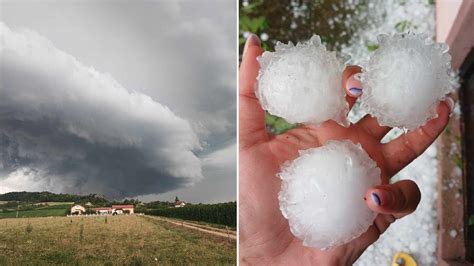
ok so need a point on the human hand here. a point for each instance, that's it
(264, 234)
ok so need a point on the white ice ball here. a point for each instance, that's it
(322, 193)
(302, 83)
(404, 80)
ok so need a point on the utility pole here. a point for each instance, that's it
(17, 206)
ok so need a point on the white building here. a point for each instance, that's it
(77, 210)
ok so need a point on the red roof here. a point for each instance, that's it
(102, 208)
(121, 206)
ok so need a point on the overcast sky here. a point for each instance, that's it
(119, 98)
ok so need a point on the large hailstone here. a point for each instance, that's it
(302, 83)
(322, 193)
(405, 79)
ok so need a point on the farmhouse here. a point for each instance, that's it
(77, 210)
(122, 209)
(115, 209)
(179, 204)
(103, 210)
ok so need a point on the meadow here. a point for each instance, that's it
(39, 210)
(115, 240)
(34, 213)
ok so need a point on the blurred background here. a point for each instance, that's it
(441, 229)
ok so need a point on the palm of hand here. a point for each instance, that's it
(272, 230)
(264, 233)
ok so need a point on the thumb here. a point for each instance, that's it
(398, 199)
(251, 115)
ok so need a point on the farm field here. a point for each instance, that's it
(129, 240)
(49, 209)
(34, 213)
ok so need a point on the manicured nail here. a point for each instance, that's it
(375, 198)
(252, 39)
(354, 86)
(450, 103)
(355, 92)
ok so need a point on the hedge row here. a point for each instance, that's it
(221, 213)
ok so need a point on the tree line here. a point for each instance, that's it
(220, 213)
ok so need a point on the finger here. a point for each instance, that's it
(401, 151)
(398, 199)
(251, 115)
(249, 67)
(370, 125)
(351, 85)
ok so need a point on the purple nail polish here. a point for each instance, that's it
(355, 91)
(375, 198)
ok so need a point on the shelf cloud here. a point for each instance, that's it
(67, 127)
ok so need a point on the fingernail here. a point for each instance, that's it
(450, 103)
(355, 92)
(375, 198)
(354, 86)
(251, 40)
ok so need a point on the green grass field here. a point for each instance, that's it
(45, 212)
(123, 240)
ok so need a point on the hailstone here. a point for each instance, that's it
(322, 193)
(302, 83)
(404, 80)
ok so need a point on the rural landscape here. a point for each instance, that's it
(38, 228)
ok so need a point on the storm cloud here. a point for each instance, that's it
(67, 127)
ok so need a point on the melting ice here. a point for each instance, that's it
(302, 83)
(404, 80)
(322, 193)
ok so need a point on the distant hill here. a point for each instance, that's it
(45, 196)
(96, 200)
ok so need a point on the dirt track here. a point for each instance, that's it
(198, 227)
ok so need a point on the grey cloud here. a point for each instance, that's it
(67, 122)
(180, 53)
(220, 182)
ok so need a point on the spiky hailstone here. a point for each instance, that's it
(302, 83)
(322, 193)
(404, 80)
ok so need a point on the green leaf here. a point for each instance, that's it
(270, 119)
(245, 23)
(372, 47)
(281, 126)
(403, 26)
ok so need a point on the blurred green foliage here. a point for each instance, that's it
(251, 22)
